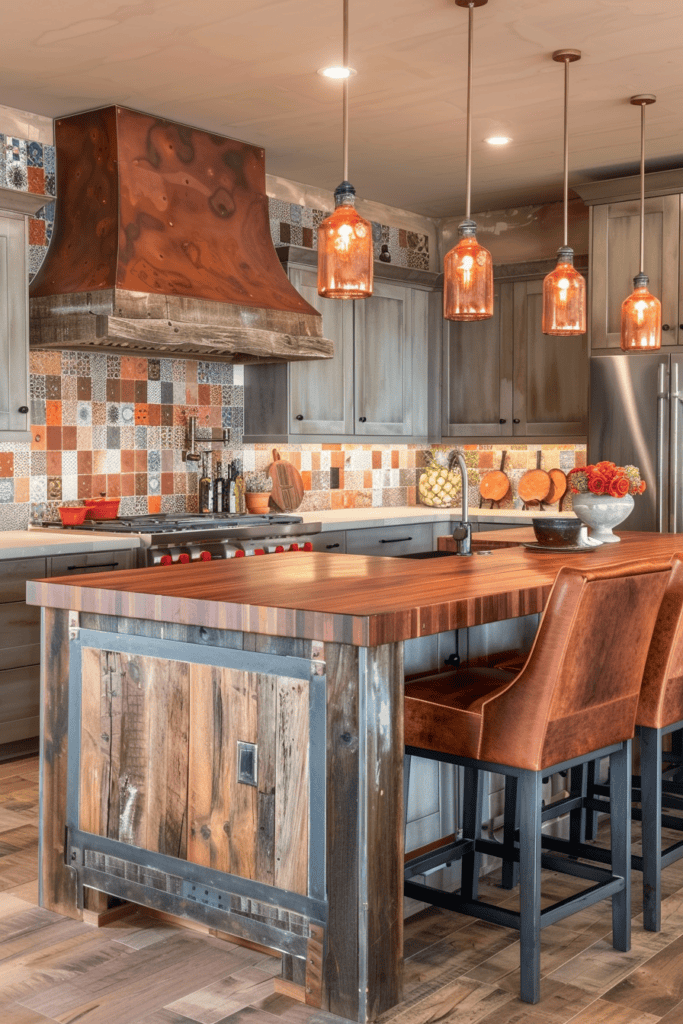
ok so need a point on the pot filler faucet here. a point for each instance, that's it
(462, 533)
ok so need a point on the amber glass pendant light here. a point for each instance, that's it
(641, 312)
(345, 252)
(468, 267)
(564, 289)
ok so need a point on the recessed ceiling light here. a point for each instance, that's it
(337, 72)
(498, 140)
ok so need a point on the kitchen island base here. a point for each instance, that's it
(234, 780)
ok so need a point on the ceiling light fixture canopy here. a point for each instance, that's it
(641, 312)
(564, 289)
(345, 250)
(468, 267)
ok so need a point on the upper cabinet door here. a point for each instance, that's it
(551, 374)
(13, 325)
(477, 373)
(614, 263)
(384, 361)
(321, 390)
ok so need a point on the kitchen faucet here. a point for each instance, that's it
(193, 438)
(462, 533)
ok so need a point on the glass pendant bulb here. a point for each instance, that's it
(345, 250)
(564, 298)
(468, 278)
(641, 318)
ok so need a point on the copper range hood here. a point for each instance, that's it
(162, 247)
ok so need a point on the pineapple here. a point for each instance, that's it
(438, 485)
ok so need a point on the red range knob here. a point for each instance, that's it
(184, 558)
(308, 546)
(259, 551)
(239, 554)
(205, 556)
(293, 547)
(279, 549)
(165, 560)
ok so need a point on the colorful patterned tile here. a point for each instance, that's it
(36, 180)
(50, 185)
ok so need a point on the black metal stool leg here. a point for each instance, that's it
(578, 787)
(510, 826)
(530, 786)
(651, 797)
(473, 806)
(620, 823)
(591, 818)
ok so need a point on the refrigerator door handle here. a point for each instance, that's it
(662, 398)
(675, 414)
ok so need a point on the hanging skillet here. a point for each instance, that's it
(535, 484)
(495, 484)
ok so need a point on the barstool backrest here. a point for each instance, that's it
(579, 689)
(661, 693)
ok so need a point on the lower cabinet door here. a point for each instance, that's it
(390, 541)
(19, 703)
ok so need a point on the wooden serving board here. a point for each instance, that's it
(288, 487)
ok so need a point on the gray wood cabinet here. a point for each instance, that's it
(14, 375)
(615, 240)
(504, 378)
(377, 384)
(20, 634)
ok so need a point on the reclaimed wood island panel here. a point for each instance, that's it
(223, 741)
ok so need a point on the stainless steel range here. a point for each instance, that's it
(168, 538)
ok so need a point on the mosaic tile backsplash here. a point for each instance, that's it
(117, 425)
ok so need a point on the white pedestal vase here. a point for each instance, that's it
(602, 513)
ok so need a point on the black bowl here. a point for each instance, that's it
(557, 532)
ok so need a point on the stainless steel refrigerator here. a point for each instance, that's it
(636, 408)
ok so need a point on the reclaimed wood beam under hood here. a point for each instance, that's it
(162, 246)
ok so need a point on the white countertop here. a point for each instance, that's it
(358, 518)
(41, 543)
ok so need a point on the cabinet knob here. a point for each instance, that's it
(665, 327)
(362, 419)
(515, 421)
(23, 408)
(502, 421)
(299, 417)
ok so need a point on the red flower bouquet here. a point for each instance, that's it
(605, 478)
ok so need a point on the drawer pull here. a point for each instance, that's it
(398, 540)
(329, 546)
(100, 565)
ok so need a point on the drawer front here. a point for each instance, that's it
(13, 576)
(19, 704)
(19, 625)
(390, 541)
(334, 542)
(91, 561)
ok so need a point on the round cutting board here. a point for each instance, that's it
(558, 486)
(495, 484)
(535, 484)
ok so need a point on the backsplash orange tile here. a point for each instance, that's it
(117, 424)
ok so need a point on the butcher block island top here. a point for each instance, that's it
(359, 600)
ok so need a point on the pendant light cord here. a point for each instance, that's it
(345, 92)
(566, 153)
(468, 184)
(642, 188)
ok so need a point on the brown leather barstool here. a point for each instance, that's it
(659, 713)
(574, 700)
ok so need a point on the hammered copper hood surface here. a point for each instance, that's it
(162, 245)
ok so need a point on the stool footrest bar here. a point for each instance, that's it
(442, 856)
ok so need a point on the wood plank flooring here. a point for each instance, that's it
(141, 971)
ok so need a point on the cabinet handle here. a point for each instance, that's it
(330, 546)
(515, 421)
(299, 417)
(398, 540)
(502, 421)
(665, 327)
(98, 565)
(362, 419)
(23, 408)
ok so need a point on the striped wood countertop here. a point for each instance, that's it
(350, 599)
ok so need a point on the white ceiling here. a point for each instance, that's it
(247, 69)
